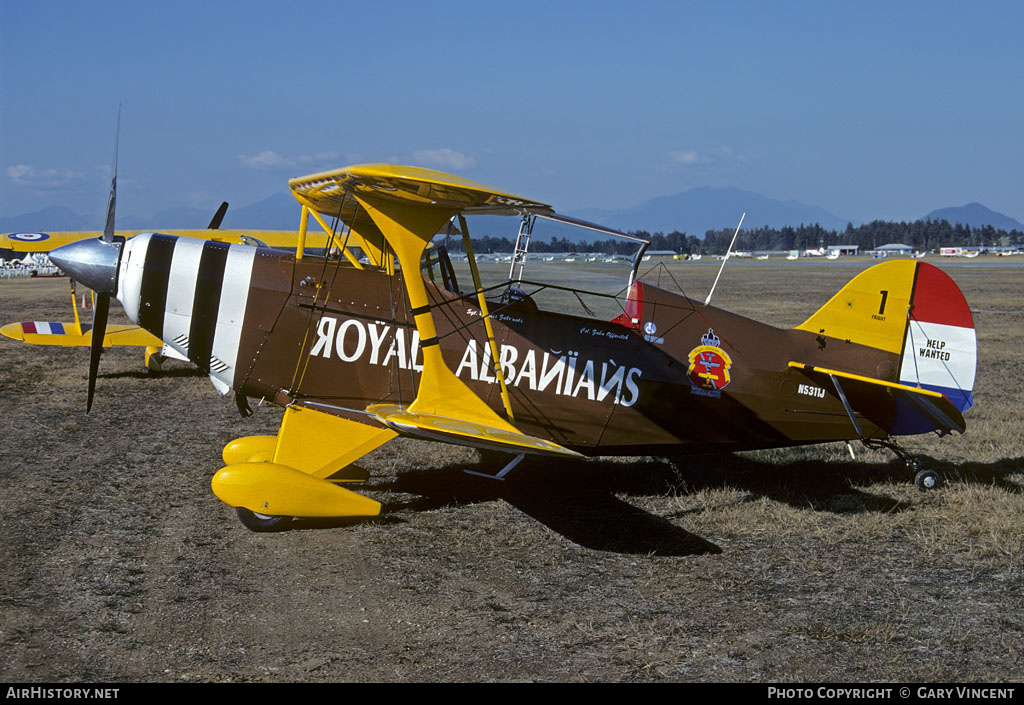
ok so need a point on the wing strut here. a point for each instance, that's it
(846, 405)
(482, 301)
(307, 210)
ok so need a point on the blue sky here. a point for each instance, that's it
(868, 109)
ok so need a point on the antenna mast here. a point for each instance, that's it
(729, 252)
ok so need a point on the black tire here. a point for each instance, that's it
(260, 522)
(927, 480)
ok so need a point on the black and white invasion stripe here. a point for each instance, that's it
(191, 294)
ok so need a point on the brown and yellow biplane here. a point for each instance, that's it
(380, 340)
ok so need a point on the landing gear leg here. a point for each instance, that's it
(500, 475)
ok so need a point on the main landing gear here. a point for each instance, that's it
(260, 522)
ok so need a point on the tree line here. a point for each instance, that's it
(922, 235)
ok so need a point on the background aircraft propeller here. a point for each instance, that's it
(218, 217)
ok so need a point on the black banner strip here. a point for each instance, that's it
(206, 303)
(155, 274)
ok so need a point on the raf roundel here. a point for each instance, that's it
(28, 237)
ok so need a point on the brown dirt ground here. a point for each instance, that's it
(118, 563)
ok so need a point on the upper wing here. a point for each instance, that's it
(331, 192)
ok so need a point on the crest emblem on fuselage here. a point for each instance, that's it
(709, 366)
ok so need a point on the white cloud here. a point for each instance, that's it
(328, 156)
(721, 153)
(31, 177)
(444, 159)
(268, 159)
(435, 158)
(688, 157)
(198, 199)
(265, 160)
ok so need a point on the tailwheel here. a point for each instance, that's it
(927, 480)
(261, 522)
(924, 479)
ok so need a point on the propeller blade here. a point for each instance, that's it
(108, 229)
(101, 306)
(99, 330)
(218, 217)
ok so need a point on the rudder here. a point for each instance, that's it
(940, 350)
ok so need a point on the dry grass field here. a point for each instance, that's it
(119, 564)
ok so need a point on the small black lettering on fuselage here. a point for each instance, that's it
(811, 390)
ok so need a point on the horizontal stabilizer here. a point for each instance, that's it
(463, 432)
(898, 408)
(939, 413)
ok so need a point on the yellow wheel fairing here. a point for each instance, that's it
(249, 449)
(277, 490)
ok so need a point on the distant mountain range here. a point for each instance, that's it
(701, 209)
(49, 218)
(277, 212)
(693, 212)
(976, 216)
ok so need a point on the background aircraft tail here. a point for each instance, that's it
(915, 310)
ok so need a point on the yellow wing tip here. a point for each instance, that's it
(14, 331)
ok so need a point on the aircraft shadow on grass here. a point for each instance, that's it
(581, 499)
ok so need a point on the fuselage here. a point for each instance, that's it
(672, 376)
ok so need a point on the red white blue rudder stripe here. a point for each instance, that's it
(940, 346)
